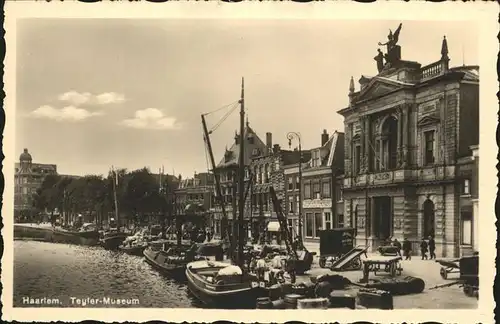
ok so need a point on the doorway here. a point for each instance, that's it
(382, 222)
(428, 219)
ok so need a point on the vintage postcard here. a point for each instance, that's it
(202, 161)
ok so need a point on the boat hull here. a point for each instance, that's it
(79, 238)
(177, 272)
(113, 242)
(133, 250)
(236, 299)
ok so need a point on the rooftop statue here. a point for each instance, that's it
(393, 50)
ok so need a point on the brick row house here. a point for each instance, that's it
(228, 172)
(267, 169)
(322, 170)
(405, 131)
(467, 175)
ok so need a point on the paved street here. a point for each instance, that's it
(443, 298)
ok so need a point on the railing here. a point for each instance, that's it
(431, 70)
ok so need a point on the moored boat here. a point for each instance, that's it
(171, 261)
(87, 234)
(112, 239)
(222, 285)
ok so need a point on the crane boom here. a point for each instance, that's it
(218, 189)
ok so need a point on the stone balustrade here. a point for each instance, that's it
(435, 173)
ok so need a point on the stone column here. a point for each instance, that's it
(367, 143)
(406, 134)
(400, 135)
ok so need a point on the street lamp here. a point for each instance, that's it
(296, 136)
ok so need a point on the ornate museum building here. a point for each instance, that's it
(406, 129)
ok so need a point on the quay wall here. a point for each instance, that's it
(47, 234)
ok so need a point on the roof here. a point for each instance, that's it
(231, 156)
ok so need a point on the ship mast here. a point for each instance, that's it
(115, 184)
(241, 176)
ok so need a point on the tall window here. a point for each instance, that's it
(316, 190)
(318, 224)
(291, 206)
(261, 175)
(326, 189)
(466, 187)
(266, 174)
(309, 224)
(429, 147)
(297, 183)
(328, 220)
(290, 183)
(297, 201)
(357, 159)
(340, 220)
(466, 228)
(340, 196)
(307, 190)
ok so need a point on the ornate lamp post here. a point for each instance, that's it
(296, 136)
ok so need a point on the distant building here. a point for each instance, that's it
(405, 131)
(198, 190)
(227, 170)
(28, 177)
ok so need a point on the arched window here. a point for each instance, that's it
(428, 218)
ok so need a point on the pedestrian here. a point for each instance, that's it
(407, 249)
(423, 248)
(397, 245)
(432, 248)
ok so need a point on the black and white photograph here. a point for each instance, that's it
(217, 162)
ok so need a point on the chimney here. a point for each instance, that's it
(276, 148)
(324, 137)
(269, 141)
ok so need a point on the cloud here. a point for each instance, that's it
(151, 118)
(76, 98)
(80, 98)
(109, 98)
(69, 113)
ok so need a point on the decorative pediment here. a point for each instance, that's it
(356, 137)
(377, 88)
(428, 120)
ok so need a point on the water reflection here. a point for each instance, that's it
(63, 271)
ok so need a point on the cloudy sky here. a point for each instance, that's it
(95, 93)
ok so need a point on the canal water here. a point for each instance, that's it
(71, 272)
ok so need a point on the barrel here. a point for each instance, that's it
(415, 285)
(286, 288)
(299, 290)
(291, 300)
(264, 303)
(279, 304)
(275, 292)
(316, 303)
(323, 289)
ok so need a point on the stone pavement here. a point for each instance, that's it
(428, 270)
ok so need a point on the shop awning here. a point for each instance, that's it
(273, 227)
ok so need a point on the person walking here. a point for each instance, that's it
(423, 248)
(397, 245)
(432, 248)
(407, 249)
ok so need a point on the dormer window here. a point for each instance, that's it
(255, 152)
(251, 139)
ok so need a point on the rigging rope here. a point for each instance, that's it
(214, 128)
(219, 109)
